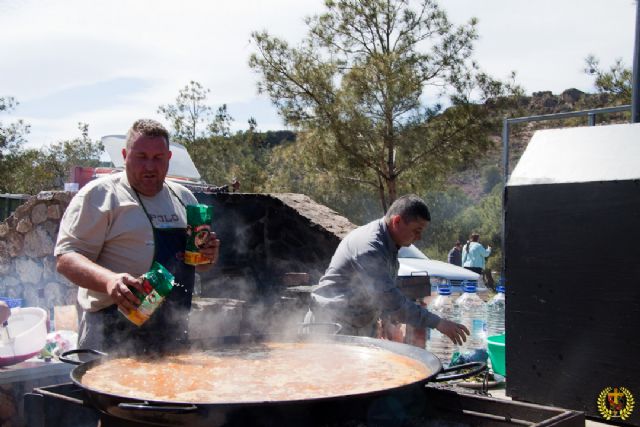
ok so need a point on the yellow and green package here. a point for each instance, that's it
(198, 232)
(157, 284)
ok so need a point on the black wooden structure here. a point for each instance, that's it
(572, 264)
(9, 203)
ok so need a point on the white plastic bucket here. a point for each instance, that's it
(24, 336)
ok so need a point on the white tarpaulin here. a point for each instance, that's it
(581, 154)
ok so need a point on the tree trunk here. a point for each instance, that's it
(383, 202)
(393, 192)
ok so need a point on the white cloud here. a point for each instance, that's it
(546, 41)
(51, 49)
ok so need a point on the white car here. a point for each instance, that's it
(414, 263)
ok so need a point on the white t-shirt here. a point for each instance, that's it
(105, 222)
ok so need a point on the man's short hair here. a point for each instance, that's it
(410, 208)
(146, 127)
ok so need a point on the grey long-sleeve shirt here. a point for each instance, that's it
(360, 284)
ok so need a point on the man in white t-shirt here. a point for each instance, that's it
(110, 234)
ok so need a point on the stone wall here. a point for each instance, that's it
(264, 237)
(27, 265)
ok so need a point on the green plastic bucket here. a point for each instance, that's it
(495, 345)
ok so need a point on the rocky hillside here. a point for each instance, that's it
(472, 180)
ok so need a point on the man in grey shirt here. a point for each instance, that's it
(360, 284)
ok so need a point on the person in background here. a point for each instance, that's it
(474, 254)
(455, 254)
(112, 231)
(359, 286)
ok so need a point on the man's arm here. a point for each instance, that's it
(383, 290)
(399, 307)
(87, 274)
(487, 251)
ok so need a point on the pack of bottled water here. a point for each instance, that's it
(438, 343)
(471, 311)
(495, 313)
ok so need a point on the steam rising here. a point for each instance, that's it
(258, 247)
(244, 293)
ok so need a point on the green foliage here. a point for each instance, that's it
(491, 176)
(24, 173)
(291, 169)
(357, 84)
(219, 156)
(485, 218)
(222, 160)
(192, 119)
(271, 138)
(60, 157)
(454, 216)
(445, 206)
(12, 135)
(616, 82)
(16, 166)
(31, 171)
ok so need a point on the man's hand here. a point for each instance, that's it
(211, 250)
(118, 290)
(455, 331)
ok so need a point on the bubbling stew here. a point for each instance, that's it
(257, 373)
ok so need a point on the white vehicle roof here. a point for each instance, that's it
(414, 262)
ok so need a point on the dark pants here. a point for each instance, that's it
(488, 279)
(109, 331)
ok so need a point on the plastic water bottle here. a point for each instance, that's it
(495, 313)
(471, 311)
(438, 343)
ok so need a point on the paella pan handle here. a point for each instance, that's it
(476, 368)
(176, 409)
(305, 328)
(64, 356)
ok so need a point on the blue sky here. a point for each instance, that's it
(108, 63)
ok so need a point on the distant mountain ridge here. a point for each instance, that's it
(471, 180)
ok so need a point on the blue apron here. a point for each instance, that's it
(167, 329)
